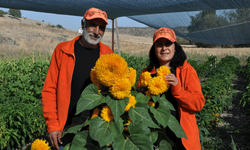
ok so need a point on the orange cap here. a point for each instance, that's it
(94, 13)
(166, 33)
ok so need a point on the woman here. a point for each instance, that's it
(185, 90)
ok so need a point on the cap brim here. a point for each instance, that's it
(97, 17)
(165, 37)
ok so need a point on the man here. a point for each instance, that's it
(69, 74)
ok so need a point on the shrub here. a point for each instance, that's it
(15, 12)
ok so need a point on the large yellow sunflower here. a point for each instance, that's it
(121, 88)
(157, 85)
(163, 71)
(145, 78)
(94, 79)
(95, 112)
(107, 114)
(109, 68)
(40, 145)
(132, 102)
(132, 76)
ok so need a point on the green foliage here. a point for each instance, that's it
(15, 12)
(245, 99)
(3, 12)
(59, 26)
(238, 15)
(147, 123)
(206, 20)
(23, 79)
(217, 89)
(21, 116)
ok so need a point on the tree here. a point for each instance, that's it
(206, 19)
(15, 12)
(238, 15)
(2, 12)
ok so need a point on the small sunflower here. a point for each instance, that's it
(40, 145)
(157, 85)
(107, 114)
(95, 112)
(145, 78)
(150, 103)
(163, 71)
(132, 76)
(132, 102)
(109, 68)
(94, 79)
(121, 88)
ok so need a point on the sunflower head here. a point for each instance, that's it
(132, 76)
(107, 114)
(132, 102)
(95, 112)
(40, 145)
(157, 85)
(121, 88)
(145, 78)
(163, 71)
(109, 68)
(94, 79)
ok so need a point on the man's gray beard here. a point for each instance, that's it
(87, 38)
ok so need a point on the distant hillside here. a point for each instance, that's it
(135, 31)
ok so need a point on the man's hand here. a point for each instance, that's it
(54, 138)
(172, 80)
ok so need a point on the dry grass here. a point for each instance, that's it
(42, 38)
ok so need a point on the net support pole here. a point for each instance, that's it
(113, 35)
(117, 36)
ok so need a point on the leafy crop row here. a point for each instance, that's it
(21, 83)
(21, 117)
(217, 89)
(245, 100)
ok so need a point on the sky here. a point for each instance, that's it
(72, 22)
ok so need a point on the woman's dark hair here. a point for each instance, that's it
(177, 60)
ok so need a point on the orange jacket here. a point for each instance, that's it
(57, 86)
(190, 99)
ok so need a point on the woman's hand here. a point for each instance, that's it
(172, 80)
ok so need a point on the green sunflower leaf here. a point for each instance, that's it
(82, 141)
(117, 106)
(138, 139)
(142, 98)
(89, 99)
(66, 147)
(164, 145)
(155, 98)
(162, 113)
(79, 123)
(105, 132)
(154, 135)
(174, 125)
(140, 112)
(169, 105)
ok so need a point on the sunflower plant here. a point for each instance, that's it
(115, 116)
